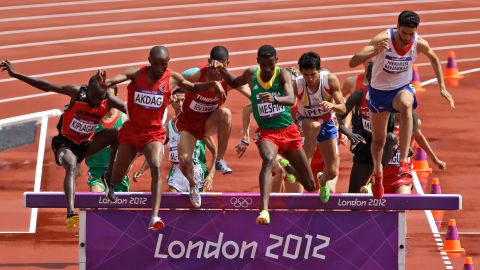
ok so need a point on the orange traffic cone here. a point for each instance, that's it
(416, 79)
(420, 163)
(437, 214)
(452, 241)
(468, 264)
(451, 73)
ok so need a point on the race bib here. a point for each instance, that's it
(202, 107)
(396, 64)
(82, 127)
(148, 99)
(314, 112)
(396, 159)
(367, 125)
(173, 155)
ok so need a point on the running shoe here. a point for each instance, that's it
(367, 189)
(156, 224)
(195, 198)
(221, 165)
(324, 189)
(108, 189)
(377, 187)
(72, 220)
(290, 177)
(263, 218)
(404, 170)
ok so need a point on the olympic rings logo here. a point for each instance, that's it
(241, 202)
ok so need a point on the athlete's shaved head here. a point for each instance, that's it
(158, 59)
(159, 51)
(219, 53)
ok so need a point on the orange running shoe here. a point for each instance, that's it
(377, 187)
(156, 224)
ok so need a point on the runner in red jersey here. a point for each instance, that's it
(148, 95)
(203, 114)
(77, 139)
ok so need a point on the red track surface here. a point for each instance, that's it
(452, 133)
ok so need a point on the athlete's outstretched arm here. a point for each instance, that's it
(339, 106)
(354, 100)
(290, 97)
(117, 103)
(212, 147)
(423, 143)
(241, 147)
(197, 87)
(69, 90)
(236, 81)
(424, 47)
(377, 45)
(128, 74)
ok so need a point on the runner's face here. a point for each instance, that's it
(177, 102)
(159, 64)
(406, 34)
(311, 76)
(96, 95)
(267, 66)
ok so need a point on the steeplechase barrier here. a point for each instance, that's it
(351, 231)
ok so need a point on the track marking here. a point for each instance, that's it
(227, 26)
(224, 14)
(71, 3)
(143, 9)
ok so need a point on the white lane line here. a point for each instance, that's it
(226, 14)
(70, 3)
(205, 56)
(225, 3)
(222, 40)
(218, 27)
(431, 220)
(241, 68)
(142, 9)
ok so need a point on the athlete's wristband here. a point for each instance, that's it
(275, 100)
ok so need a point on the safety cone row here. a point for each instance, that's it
(468, 264)
(420, 163)
(416, 82)
(452, 76)
(437, 214)
(452, 241)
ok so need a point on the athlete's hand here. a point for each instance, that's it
(208, 183)
(267, 97)
(441, 164)
(6, 65)
(102, 77)
(215, 64)
(327, 106)
(381, 46)
(219, 89)
(356, 138)
(241, 148)
(448, 97)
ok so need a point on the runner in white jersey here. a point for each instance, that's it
(176, 181)
(319, 98)
(393, 52)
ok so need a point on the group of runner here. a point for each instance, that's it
(298, 115)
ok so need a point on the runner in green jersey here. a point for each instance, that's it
(98, 163)
(271, 97)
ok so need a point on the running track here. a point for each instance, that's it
(66, 42)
